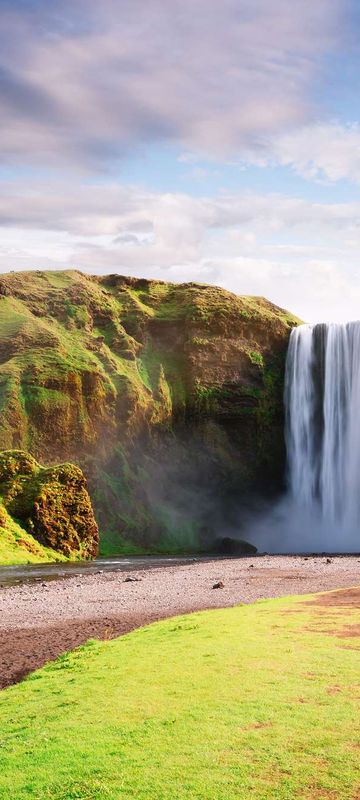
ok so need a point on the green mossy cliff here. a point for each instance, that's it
(168, 396)
(45, 513)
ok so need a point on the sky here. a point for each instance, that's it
(215, 141)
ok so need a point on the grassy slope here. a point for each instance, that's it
(55, 320)
(256, 701)
(19, 547)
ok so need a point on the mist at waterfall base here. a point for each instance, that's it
(321, 510)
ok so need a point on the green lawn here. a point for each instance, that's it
(254, 702)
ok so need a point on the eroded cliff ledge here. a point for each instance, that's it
(168, 396)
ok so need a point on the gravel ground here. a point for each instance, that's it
(38, 621)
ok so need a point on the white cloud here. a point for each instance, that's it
(323, 151)
(302, 255)
(328, 151)
(103, 209)
(87, 85)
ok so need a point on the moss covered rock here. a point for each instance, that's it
(168, 396)
(17, 546)
(51, 504)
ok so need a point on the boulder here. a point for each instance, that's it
(234, 547)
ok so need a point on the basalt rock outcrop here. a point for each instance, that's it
(169, 397)
(44, 512)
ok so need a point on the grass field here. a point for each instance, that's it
(256, 702)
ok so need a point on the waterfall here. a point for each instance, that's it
(322, 430)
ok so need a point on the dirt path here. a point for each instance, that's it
(39, 621)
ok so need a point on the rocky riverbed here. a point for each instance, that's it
(41, 620)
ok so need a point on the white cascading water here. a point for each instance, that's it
(321, 510)
(322, 405)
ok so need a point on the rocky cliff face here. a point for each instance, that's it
(168, 396)
(44, 513)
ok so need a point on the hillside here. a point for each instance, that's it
(168, 396)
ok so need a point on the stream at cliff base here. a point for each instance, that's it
(20, 573)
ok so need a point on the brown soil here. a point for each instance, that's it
(27, 649)
(341, 599)
(349, 598)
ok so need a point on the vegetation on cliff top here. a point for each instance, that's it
(256, 701)
(111, 371)
(45, 514)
